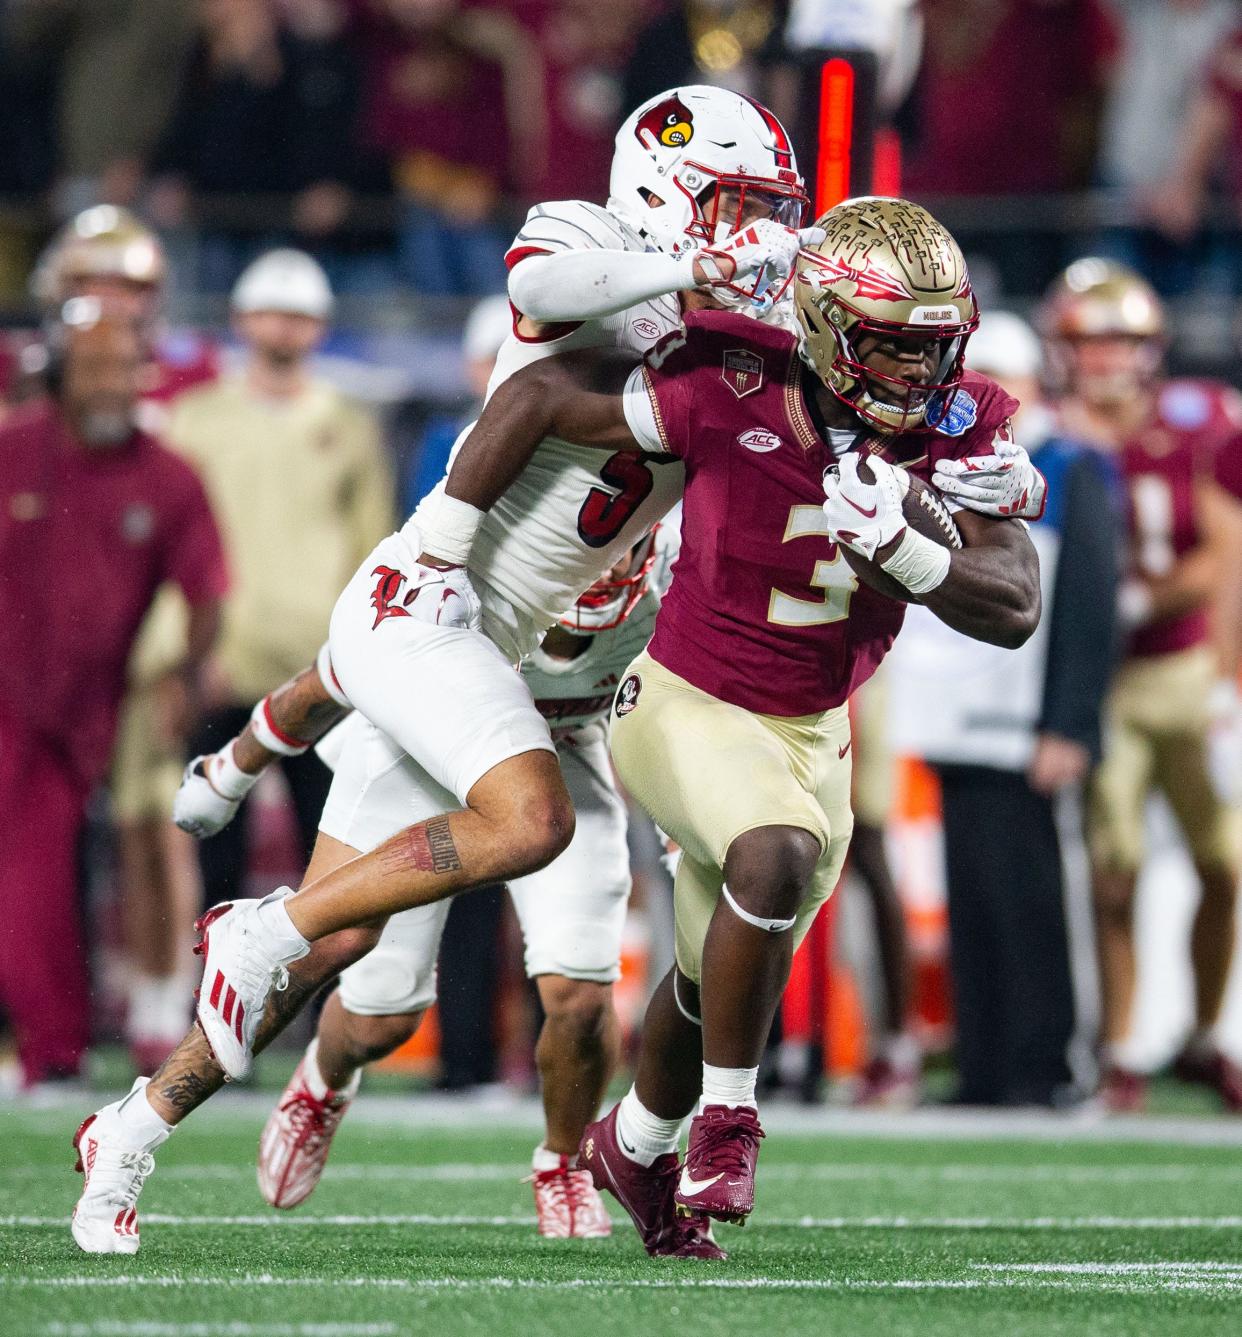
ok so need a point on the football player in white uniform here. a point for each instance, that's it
(704, 187)
(572, 915)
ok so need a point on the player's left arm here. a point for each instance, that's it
(991, 589)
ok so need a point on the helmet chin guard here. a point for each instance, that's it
(611, 600)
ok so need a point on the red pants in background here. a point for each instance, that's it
(44, 974)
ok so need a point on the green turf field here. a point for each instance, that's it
(420, 1229)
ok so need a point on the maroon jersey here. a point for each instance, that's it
(86, 538)
(763, 610)
(1189, 438)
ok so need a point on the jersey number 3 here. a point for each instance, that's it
(604, 513)
(834, 578)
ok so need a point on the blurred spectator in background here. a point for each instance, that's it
(454, 99)
(723, 42)
(268, 107)
(115, 66)
(893, 1075)
(1107, 332)
(1011, 733)
(94, 517)
(1008, 104)
(1207, 153)
(487, 327)
(299, 479)
(1165, 47)
(106, 254)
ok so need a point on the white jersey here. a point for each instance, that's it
(574, 695)
(573, 511)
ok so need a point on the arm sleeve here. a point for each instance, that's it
(588, 284)
(193, 549)
(1082, 629)
(665, 382)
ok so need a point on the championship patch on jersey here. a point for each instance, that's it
(742, 371)
(1185, 407)
(627, 694)
(953, 414)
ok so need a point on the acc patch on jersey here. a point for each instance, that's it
(742, 371)
(627, 694)
(760, 440)
(953, 415)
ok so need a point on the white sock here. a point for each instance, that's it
(543, 1159)
(644, 1136)
(139, 1119)
(146, 997)
(901, 1050)
(288, 943)
(728, 1086)
(315, 1083)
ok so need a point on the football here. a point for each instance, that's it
(926, 514)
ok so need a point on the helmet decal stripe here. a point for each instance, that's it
(783, 148)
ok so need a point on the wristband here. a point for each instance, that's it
(226, 777)
(449, 531)
(323, 666)
(269, 733)
(920, 564)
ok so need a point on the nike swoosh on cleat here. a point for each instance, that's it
(691, 1186)
(862, 510)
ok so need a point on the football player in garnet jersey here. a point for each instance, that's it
(704, 186)
(731, 728)
(1106, 335)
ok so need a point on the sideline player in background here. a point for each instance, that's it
(1106, 334)
(731, 728)
(572, 915)
(493, 803)
(97, 514)
(107, 254)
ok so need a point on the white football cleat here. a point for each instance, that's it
(114, 1168)
(242, 964)
(294, 1144)
(568, 1205)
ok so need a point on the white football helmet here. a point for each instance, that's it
(613, 597)
(693, 164)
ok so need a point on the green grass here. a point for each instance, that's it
(852, 1235)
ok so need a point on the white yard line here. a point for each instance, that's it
(439, 1114)
(106, 1327)
(1135, 1284)
(282, 1219)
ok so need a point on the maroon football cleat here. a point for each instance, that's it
(1123, 1091)
(1211, 1067)
(718, 1177)
(888, 1085)
(646, 1193)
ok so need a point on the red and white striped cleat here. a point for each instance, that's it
(114, 1169)
(567, 1204)
(242, 964)
(294, 1145)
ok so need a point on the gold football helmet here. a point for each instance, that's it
(1105, 330)
(885, 268)
(103, 242)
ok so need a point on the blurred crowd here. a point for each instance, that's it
(291, 153)
(399, 140)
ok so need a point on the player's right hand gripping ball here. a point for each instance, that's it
(857, 484)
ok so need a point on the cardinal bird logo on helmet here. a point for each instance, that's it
(670, 123)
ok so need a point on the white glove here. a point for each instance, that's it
(1004, 483)
(763, 251)
(199, 809)
(865, 516)
(445, 598)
